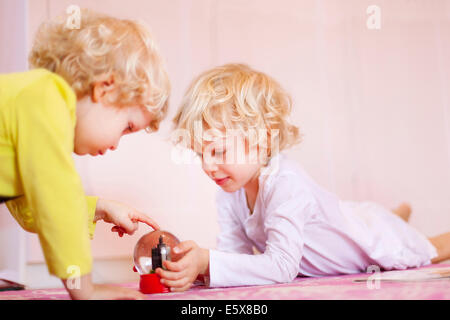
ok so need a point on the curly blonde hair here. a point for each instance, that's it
(234, 96)
(104, 46)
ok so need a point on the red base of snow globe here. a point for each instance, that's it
(150, 283)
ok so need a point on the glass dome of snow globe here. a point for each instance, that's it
(153, 249)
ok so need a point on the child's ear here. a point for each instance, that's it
(103, 87)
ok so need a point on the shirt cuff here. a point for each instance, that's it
(218, 275)
(92, 205)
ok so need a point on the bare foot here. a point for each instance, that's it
(442, 245)
(403, 211)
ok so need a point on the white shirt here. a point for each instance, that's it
(302, 229)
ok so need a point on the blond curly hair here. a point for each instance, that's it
(234, 96)
(105, 46)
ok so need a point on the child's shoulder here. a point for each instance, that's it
(26, 78)
(40, 81)
(47, 80)
(37, 94)
(40, 85)
(280, 169)
(285, 178)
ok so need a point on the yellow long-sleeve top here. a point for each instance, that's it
(37, 127)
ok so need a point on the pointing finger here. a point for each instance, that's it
(141, 217)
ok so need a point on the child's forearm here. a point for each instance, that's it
(203, 276)
(80, 288)
(204, 266)
(100, 212)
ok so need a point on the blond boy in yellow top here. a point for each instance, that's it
(89, 87)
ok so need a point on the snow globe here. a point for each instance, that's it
(150, 252)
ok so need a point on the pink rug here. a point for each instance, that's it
(339, 287)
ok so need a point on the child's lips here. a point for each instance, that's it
(221, 181)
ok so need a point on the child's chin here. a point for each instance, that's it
(229, 188)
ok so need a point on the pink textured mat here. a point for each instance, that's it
(340, 287)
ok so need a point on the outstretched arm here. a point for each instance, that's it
(82, 288)
(279, 263)
(124, 218)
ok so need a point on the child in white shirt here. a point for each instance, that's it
(267, 202)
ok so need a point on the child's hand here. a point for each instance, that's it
(123, 217)
(182, 273)
(86, 290)
(109, 292)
